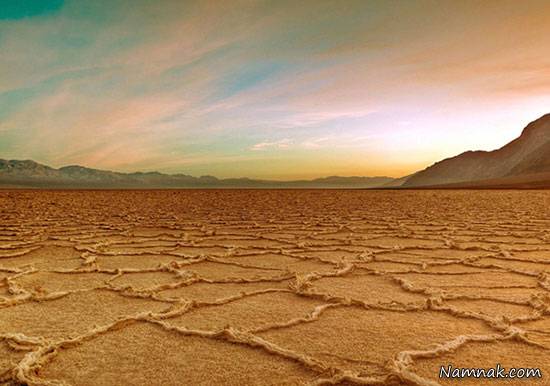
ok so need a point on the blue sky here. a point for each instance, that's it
(14, 10)
(268, 89)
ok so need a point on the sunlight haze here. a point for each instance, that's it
(268, 89)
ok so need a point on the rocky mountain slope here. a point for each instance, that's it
(529, 154)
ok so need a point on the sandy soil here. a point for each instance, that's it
(272, 287)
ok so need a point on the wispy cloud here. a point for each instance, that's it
(281, 144)
(198, 84)
(317, 143)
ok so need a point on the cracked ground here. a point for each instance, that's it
(267, 287)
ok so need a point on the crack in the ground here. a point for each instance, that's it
(328, 250)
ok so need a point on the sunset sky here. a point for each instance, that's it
(268, 89)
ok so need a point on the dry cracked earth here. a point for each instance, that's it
(272, 287)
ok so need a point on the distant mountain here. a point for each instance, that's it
(31, 174)
(524, 162)
(396, 182)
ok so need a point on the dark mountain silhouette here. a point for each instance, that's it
(525, 160)
(31, 174)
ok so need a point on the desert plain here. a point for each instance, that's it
(260, 287)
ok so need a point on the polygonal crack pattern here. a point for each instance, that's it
(271, 286)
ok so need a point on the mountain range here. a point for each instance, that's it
(522, 163)
(31, 174)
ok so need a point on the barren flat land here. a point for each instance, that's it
(267, 287)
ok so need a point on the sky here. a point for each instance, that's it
(268, 89)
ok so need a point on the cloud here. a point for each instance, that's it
(14, 10)
(135, 83)
(281, 144)
(316, 143)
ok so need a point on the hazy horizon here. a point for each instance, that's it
(268, 90)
